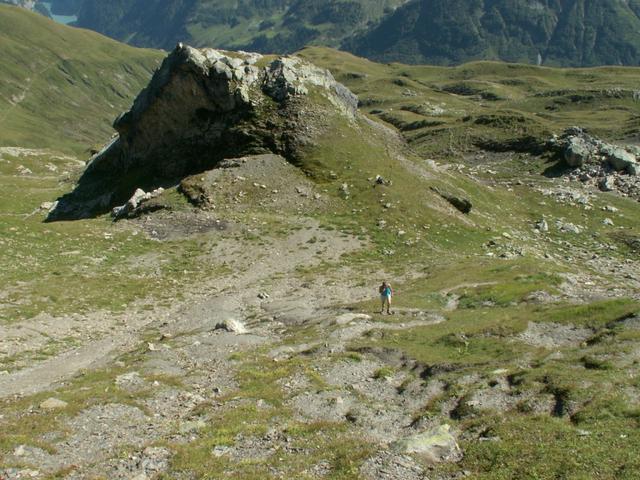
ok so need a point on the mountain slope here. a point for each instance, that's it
(554, 32)
(61, 87)
(258, 25)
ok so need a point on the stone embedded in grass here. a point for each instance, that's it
(232, 325)
(436, 445)
(347, 318)
(607, 184)
(542, 226)
(53, 404)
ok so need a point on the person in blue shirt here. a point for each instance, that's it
(385, 297)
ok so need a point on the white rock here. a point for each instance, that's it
(232, 325)
(19, 451)
(53, 404)
(436, 445)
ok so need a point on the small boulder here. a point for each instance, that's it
(607, 184)
(53, 404)
(463, 205)
(436, 445)
(542, 226)
(232, 325)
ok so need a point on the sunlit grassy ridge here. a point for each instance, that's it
(61, 87)
(449, 111)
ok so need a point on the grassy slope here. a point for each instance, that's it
(533, 102)
(61, 88)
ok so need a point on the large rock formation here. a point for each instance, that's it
(202, 106)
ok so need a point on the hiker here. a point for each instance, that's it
(385, 296)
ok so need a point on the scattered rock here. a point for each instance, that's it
(232, 325)
(596, 163)
(391, 466)
(129, 379)
(608, 221)
(553, 335)
(53, 404)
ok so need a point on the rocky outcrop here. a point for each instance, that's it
(605, 166)
(578, 149)
(205, 105)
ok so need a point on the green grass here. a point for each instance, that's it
(541, 447)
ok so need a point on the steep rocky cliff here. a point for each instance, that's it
(201, 107)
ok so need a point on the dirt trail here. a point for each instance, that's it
(231, 296)
(56, 369)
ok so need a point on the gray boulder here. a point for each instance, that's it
(619, 159)
(578, 152)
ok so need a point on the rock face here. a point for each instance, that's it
(205, 105)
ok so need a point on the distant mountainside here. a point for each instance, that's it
(551, 32)
(443, 32)
(281, 26)
(61, 87)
